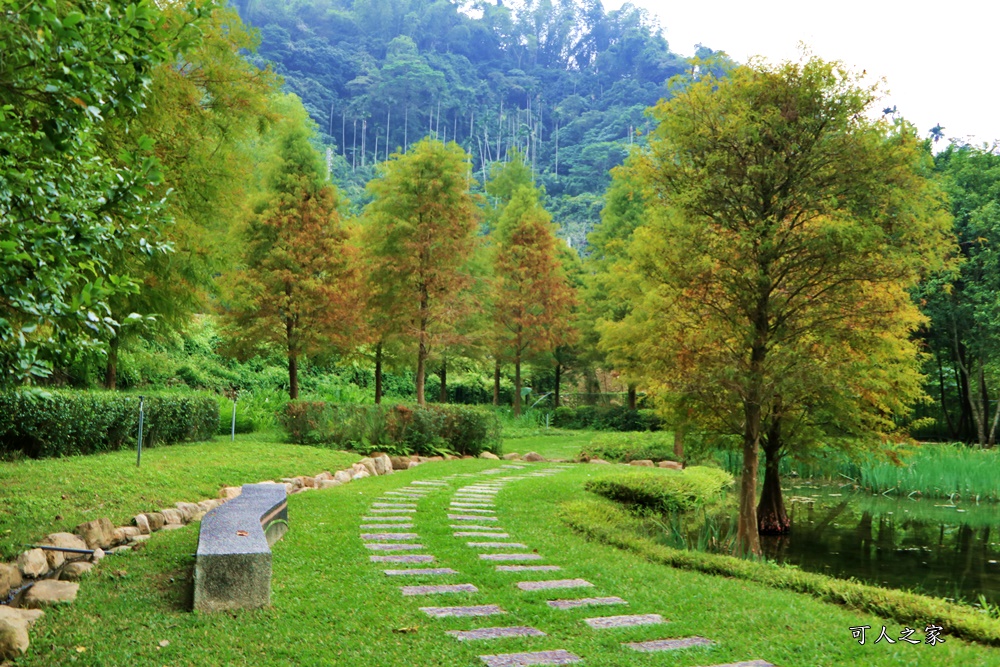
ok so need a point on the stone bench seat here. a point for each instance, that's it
(233, 564)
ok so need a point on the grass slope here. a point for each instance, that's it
(331, 606)
(50, 495)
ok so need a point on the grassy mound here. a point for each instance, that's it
(625, 447)
(663, 490)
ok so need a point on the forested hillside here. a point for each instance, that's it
(565, 82)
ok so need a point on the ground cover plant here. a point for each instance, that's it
(331, 605)
(52, 495)
(624, 447)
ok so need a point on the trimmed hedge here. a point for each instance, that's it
(62, 423)
(606, 418)
(397, 429)
(663, 490)
(625, 447)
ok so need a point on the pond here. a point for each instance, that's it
(934, 546)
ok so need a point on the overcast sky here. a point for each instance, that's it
(940, 61)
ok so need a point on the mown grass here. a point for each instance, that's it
(331, 606)
(551, 443)
(51, 495)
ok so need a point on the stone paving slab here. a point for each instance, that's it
(510, 557)
(669, 644)
(426, 483)
(527, 568)
(479, 534)
(384, 537)
(559, 657)
(437, 590)
(465, 526)
(495, 633)
(554, 583)
(387, 518)
(471, 517)
(376, 526)
(628, 621)
(475, 610)
(497, 545)
(394, 547)
(474, 510)
(396, 505)
(420, 570)
(408, 558)
(747, 663)
(406, 494)
(397, 510)
(584, 602)
(461, 504)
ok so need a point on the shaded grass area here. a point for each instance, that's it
(331, 606)
(51, 495)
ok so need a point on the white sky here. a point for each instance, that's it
(939, 60)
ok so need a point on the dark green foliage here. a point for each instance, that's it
(663, 490)
(396, 429)
(244, 424)
(64, 423)
(606, 418)
(625, 447)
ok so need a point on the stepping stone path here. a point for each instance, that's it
(475, 504)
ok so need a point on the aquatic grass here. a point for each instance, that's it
(935, 471)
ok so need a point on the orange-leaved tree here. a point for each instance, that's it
(532, 301)
(297, 286)
(420, 236)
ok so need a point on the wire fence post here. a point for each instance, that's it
(233, 439)
(142, 418)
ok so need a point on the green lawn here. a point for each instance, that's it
(51, 495)
(331, 606)
(551, 443)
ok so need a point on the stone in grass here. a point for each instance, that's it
(559, 657)
(377, 526)
(495, 633)
(97, 533)
(387, 518)
(533, 457)
(49, 592)
(489, 455)
(416, 571)
(396, 505)
(74, 571)
(461, 526)
(476, 511)
(470, 533)
(428, 483)
(437, 590)
(554, 583)
(475, 610)
(527, 568)
(408, 558)
(644, 463)
(470, 517)
(384, 537)
(669, 644)
(14, 624)
(603, 622)
(10, 577)
(498, 545)
(397, 510)
(502, 557)
(394, 547)
(584, 602)
(32, 563)
(480, 504)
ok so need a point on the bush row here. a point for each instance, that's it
(395, 429)
(625, 447)
(606, 418)
(62, 423)
(663, 490)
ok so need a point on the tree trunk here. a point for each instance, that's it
(443, 393)
(631, 397)
(378, 374)
(422, 345)
(293, 377)
(496, 382)
(517, 385)
(747, 536)
(771, 516)
(111, 370)
(944, 400)
(679, 443)
(555, 396)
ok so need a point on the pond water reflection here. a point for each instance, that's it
(936, 547)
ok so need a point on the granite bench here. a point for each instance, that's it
(233, 564)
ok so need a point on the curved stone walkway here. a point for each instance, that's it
(472, 514)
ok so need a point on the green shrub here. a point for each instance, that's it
(62, 423)
(397, 429)
(625, 447)
(663, 490)
(606, 418)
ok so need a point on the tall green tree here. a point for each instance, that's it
(420, 235)
(297, 287)
(785, 232)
